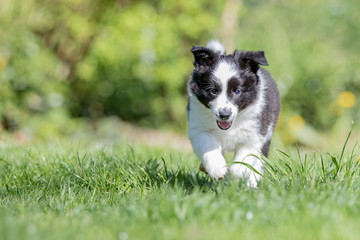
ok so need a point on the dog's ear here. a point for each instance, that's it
(203, 56)
(251, 60)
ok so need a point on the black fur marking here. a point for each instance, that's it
(204, 58)
(265, 148)
(247, 88)
(201, 85)
(271, 110)
(270, 113)
(202, 81)
(251, 60)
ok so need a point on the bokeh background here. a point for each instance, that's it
(67, 65)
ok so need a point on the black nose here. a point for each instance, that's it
(225, 113)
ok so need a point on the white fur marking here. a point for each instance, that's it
(224, 72)
(216, 46)
(209, 151)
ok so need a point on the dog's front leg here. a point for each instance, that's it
(209, 150)
(248, 156)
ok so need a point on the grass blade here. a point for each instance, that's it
(337, 165)
(248, 166)
(287, 155)
(346, 141)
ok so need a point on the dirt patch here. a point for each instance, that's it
(153, 137)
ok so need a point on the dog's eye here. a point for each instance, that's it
(237, 91)
(214, 91)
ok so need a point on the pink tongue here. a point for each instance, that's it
(224, 125)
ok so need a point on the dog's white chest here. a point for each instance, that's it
(242, 134)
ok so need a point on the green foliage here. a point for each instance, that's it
(113, 57)
(310, 46)
(141, 63)
(131, 58)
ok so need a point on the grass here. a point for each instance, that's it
(135, 192)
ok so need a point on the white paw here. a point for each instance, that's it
(217, 171)
(253, 180)
(240, 171)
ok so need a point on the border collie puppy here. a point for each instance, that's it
(233, 106)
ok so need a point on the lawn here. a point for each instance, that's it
(58, 191)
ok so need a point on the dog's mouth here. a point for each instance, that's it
(223, 125)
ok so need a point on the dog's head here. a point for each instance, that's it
(226, 84)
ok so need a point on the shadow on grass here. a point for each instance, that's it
(158, 173)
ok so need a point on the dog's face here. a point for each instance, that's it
(226, 84)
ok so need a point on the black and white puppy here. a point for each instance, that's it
(233, 106)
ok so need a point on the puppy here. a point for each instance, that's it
(233, 106)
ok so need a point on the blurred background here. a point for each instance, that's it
(120, 67)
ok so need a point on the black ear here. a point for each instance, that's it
(203, 56)
(251, 59)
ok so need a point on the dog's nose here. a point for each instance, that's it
(225, 113)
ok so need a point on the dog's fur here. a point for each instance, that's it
(233, 106)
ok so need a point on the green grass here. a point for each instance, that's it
(136, 192)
